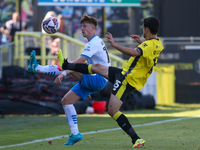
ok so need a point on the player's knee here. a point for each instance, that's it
(110, 111)
(63, 101)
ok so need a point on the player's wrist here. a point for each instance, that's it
(113, 44)
(64, 73)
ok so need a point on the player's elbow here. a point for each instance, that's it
(136, 52)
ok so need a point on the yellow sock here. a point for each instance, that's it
(117, 115)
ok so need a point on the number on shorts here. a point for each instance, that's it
(116, 85)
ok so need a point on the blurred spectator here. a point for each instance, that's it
(63, 26)
(27, 13)
(66, 11)
(8, 30)
(26, 9)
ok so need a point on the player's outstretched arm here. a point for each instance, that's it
(125, 50)
(58, 79)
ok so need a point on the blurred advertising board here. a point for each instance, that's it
(111, 3)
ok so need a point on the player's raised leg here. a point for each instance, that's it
(60, 59)
(33, 62)
(35, 67)
(86, 69)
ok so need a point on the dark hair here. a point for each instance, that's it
(152, 23)
(89, 19)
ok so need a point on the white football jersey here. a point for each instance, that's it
(96, 52)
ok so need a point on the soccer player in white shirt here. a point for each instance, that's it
(94, 52)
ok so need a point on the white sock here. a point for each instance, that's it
(71, 117)
(49, 69)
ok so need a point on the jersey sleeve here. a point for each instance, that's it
(89, 50)
(144, 48)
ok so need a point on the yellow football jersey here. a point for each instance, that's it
(139, 68)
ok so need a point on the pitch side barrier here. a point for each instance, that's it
(6, 53)
(162, 87)
(68, 50)
(20, 54)
(165, 84)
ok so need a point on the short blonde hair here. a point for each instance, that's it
(89, 19)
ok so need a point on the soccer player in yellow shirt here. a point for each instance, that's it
(133, 76)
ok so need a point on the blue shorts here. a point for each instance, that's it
(89, 85)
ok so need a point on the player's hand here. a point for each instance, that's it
(137, 38)
(110, 38)
(58, 79)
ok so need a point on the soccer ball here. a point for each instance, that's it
(51, 25)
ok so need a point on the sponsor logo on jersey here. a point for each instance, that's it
(156, 52)
(87, 48)
(144, 44)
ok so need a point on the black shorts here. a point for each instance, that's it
(121, 87)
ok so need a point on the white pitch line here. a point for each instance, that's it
(99, 131)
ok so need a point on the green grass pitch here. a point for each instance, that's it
(173, 127)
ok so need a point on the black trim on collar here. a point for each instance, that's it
(153, 38)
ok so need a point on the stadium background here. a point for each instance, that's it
(180, 26)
